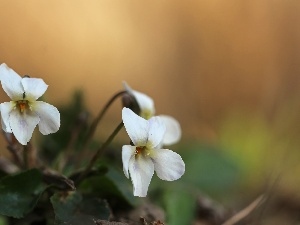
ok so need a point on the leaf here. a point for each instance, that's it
(184, 203)
(20, 193)
(3, 221)
(208, 168)
(74, 209)
(113, 186)
(122, 183)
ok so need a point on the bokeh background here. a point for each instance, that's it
(229, 71)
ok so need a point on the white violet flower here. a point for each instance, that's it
(21, 115)
(146, 104)
(145, 156)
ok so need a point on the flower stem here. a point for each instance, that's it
(99, 153)
(95, 123)
(29, 156)
(25, 157)
(12, 147)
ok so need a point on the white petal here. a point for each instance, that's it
(136, 127)
(23, 124)
(5, 109)
(34, 87)
(173, 130)
(49, 117)
(127, 152)
(11, 82)
(157, 131)
(141, 171)
(146, 103)
(168, 164)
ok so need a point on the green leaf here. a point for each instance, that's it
(123, 184)
(113, 186)
(3, 220)
(208, 168)
(73, 208)
(20, 193)
(182, 202)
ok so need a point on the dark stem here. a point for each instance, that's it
(25, 157)
(29, 156)
(13, 148)
(98, 119)
(99, 153)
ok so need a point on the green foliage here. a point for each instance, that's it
(3, 221)
(20, 193)
(73, 208)
(208, 168)
(113, 186)
(2, 174)
(179, 201)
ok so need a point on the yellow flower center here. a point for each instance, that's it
(139, 150)
(22, 105)
(142, 150)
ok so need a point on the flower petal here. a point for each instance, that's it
(127, 153)
(141, 171)
(168, 164)
(49, 117)
(136, 127)
(5, 109)
(11, 82)
(23, 124)
(157, 131)
(34, 87)
(146, 103)
(173, 130)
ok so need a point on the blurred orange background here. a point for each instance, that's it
(203, 62)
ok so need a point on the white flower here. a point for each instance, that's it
(21, 115)
(146, 104)
(145, 156)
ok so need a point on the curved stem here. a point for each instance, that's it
(99, 152)
(98, 118)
